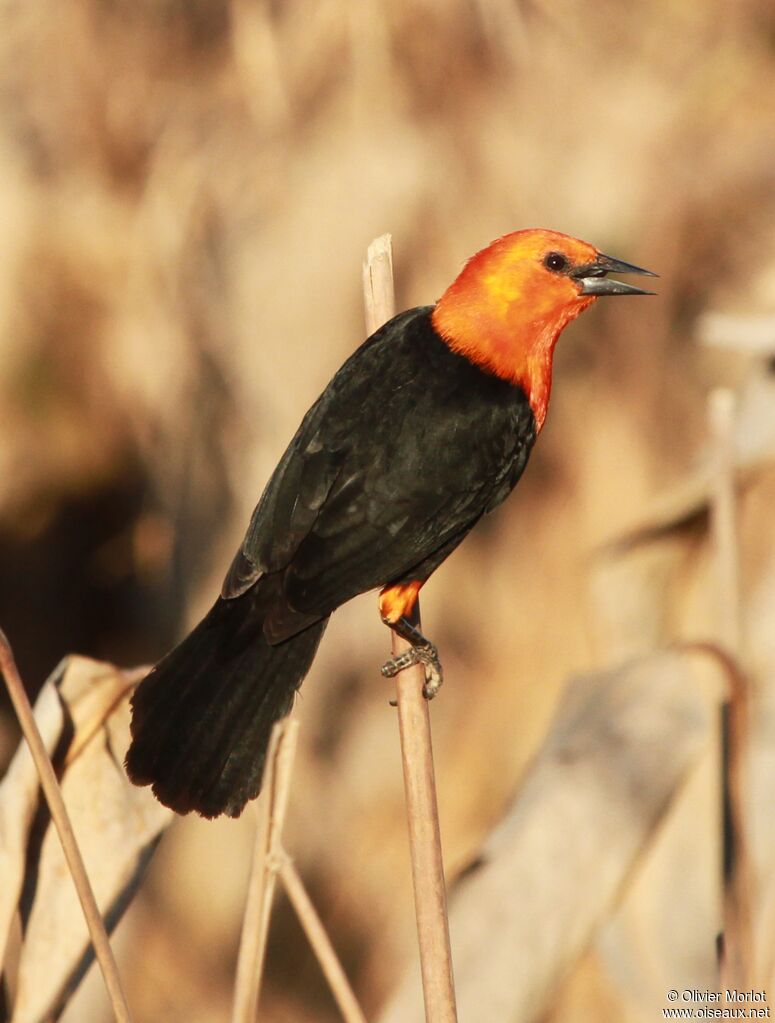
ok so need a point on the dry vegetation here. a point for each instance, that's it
(186, 194)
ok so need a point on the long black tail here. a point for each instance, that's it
(202, 718)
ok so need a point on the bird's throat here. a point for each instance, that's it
(511, 348)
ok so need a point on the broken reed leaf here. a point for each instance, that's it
(83, 713)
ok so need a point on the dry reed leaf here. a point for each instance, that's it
(621, 745)
(84, 714)
(663, 932)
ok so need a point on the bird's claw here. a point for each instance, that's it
(434, 676)
(425, 654)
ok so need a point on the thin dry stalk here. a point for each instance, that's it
(736, 958)
(378, 292)
(430, 896)
(320, 942)
(267, 856)
(61, 820)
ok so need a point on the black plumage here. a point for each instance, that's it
(408, 446)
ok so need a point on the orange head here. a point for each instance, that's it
(511, 301)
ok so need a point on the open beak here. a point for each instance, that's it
(593, 280)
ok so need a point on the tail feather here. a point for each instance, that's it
(202, 718)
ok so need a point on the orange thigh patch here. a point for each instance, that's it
(398, 601)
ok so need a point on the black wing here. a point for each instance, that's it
(403, 452)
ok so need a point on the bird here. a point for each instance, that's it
(424, 429)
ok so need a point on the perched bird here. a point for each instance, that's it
(424, 429)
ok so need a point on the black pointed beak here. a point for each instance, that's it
(593, 280)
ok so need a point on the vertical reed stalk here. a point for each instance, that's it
(736, 952)
(430, 897)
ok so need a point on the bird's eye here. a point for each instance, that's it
(556, 261)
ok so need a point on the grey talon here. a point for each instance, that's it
(428, 657)
(420, 652)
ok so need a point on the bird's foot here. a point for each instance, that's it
(422, 651)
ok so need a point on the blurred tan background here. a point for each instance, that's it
(187, 191)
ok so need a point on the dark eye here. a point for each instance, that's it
(556, 261)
